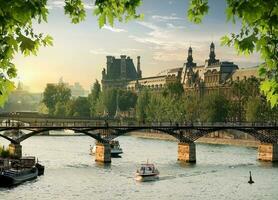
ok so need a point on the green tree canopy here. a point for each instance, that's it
(142, 105)
(173, 89)
(126, 100)
(110, 101)
(79, 107)
(214, 108)
(54, 94)
(94, 97)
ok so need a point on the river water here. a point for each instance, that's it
(221, 172)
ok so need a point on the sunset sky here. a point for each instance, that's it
(161, 39)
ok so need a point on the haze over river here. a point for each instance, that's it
(221, 172)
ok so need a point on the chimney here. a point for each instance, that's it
(123, 66)
(109, 61)
(139, 72)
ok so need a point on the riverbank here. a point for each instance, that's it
(204, 140)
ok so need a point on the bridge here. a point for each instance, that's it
(104, 132)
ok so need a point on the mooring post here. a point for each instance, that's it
(268, 152)
(187, 152)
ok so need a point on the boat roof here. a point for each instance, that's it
(147, 164)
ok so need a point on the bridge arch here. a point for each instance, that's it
(170, 131)
(8, 138)
(250, 131)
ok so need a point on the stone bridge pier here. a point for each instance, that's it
(268, 152)
(187, 152)
(103, 152)
(15, 150)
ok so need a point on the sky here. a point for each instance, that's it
(162, 39)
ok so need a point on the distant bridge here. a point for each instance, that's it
(104, 132)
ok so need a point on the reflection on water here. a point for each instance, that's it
(221, 172)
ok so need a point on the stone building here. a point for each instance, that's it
(155, 82)
(213, 75)
(119, 72)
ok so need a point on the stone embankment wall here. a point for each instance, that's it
(221, 137)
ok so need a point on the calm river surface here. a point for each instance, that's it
(221, 172)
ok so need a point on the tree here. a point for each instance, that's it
(93, 97)
(254, 109)
(54, 94)
(174, 89)
(126, 100)
(242, 91)
(142, 105)
(79, 107)
(49, 97)
(42, 108)
(110, 101)
(17, 33)
(259, 31)
(60, 109)
(214, 108)
(192, 108)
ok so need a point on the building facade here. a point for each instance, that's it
(213, 75)
(119, 72)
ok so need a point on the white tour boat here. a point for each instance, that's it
(147, 172)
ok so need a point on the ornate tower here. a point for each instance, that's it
(189, 56)
(212, 52)
(188, 72)
(212, 59)
(190, 62)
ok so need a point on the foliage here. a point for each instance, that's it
(259, 31)
(254, 109)
(4, 153)
(241, 91)
(214, 107)
(79, 107)
(126, 100)
(94, 97)
(110, 101)
(60, 109)
(17, 35)
(54, 94)
(108, 10)
(192, 108)
(173, 89)
(42, 108)
(142, 105)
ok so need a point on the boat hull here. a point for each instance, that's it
(8, 180)
(116, 152)
(146, 178)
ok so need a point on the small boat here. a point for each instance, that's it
(116, 149)
(12, 177)
(147, 172)
(93, 150)
(40, 169)
(16, 171)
